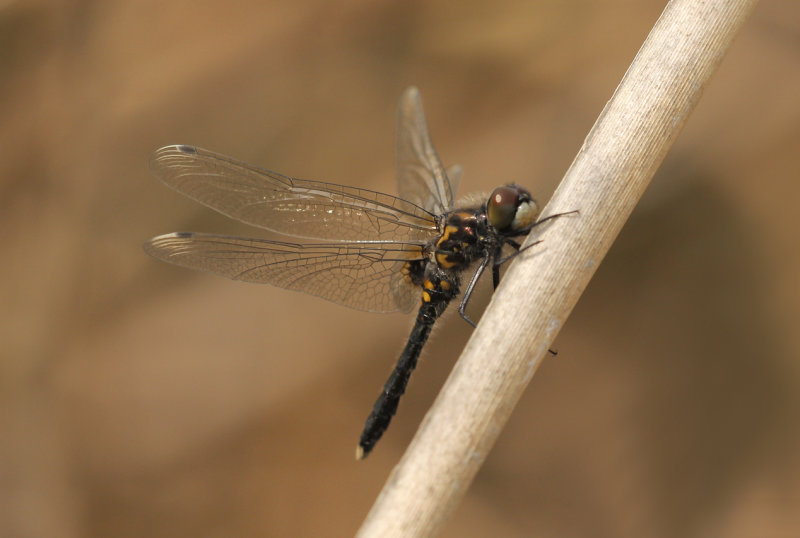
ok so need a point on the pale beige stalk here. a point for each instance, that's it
(606, 180)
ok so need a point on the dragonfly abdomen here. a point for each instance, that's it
(439, 288)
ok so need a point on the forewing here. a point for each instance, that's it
(296, 207)
(364, 276)
(421, 178)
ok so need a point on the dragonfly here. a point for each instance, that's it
(375, 252)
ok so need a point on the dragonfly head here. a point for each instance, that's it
(512, 209)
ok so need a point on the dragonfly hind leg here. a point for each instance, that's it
(462, 308)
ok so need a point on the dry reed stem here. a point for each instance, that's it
(605, 181)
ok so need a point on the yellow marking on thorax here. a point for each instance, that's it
(446, 235)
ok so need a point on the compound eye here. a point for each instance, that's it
(502, 206)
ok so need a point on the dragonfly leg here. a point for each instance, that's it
(468, 292)
(514, 254)
(550, 217)
(496, 265)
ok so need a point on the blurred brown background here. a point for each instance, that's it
(140, 399)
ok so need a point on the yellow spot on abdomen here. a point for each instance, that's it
(444, 262)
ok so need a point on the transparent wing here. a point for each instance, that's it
(296, 207)
(454, 175)
(421, 178)
(364, 276)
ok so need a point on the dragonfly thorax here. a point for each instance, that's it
(462, 240)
